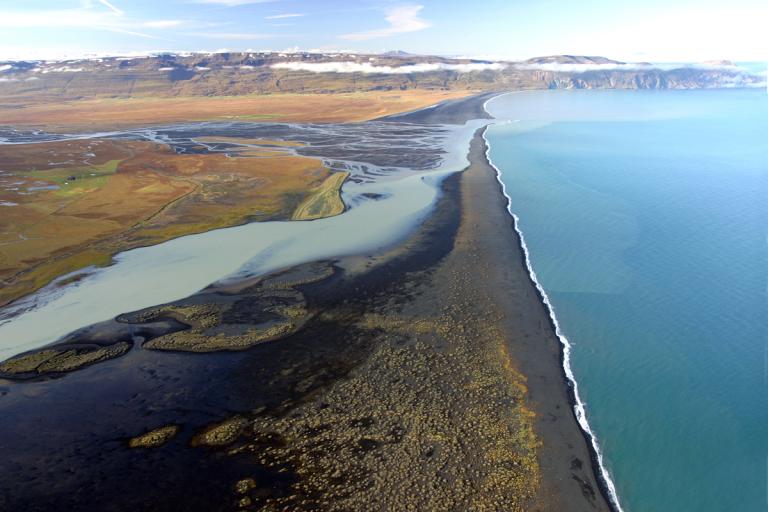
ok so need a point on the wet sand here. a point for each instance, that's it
(426, 377)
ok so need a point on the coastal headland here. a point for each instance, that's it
(424, 376)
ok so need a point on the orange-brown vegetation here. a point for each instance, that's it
(123, 112)
(67, 205)
(248, 141)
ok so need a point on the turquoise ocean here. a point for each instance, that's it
(645, 215)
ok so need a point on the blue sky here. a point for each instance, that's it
(633, 30)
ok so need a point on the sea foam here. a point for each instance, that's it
(579, 406)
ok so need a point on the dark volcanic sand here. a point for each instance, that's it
(399, 394)
(448, 112)
(568, 480)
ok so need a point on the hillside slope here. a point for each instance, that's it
(233, 74)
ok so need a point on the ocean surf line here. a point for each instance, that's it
(578, 405)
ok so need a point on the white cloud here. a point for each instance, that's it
(61, 54)
(284, 16)
(365, 67)
(404, 18)
(582, 68)
(121, 30)
(233, 36)
(112, 7)
(233, 3)
(53, 18)
(162, 23)
(86, 17)
(720, 30)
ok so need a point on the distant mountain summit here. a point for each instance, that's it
(266, 72)
(398, 53)
(572, 59)
(726, 63)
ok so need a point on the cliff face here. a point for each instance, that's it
(253, 73)
(581, 72)
(683, 78)
(651, 79)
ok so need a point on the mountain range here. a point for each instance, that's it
(232, 74)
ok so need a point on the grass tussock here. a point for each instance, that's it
(323, 201)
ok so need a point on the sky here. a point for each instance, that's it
(629, 30)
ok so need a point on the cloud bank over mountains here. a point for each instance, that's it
(365, 67)
(560, 67)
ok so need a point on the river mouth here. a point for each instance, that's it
(385, 201)
(397, 356)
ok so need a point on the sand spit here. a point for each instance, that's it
(425, 377)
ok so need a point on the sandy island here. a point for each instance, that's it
(426, 377)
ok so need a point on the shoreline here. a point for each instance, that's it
(410, 196)
(534, 346)
(425, 115)
(605, 480)
(436, 354)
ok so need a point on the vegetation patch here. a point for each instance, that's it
(221, 434)
(323, 201)
(110, 113)
(60, 359)
(154, 438)
(106, 196)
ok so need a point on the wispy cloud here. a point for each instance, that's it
(284, 16)
(401, 19)
(129, 32)
(112, 7)
(233, 36)
(233, 3)
(52, 18)
(90, 15)
(365, 67)
(162, 23)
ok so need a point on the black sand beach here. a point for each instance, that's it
(564, 457)
(427, 377)
(448, 112)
